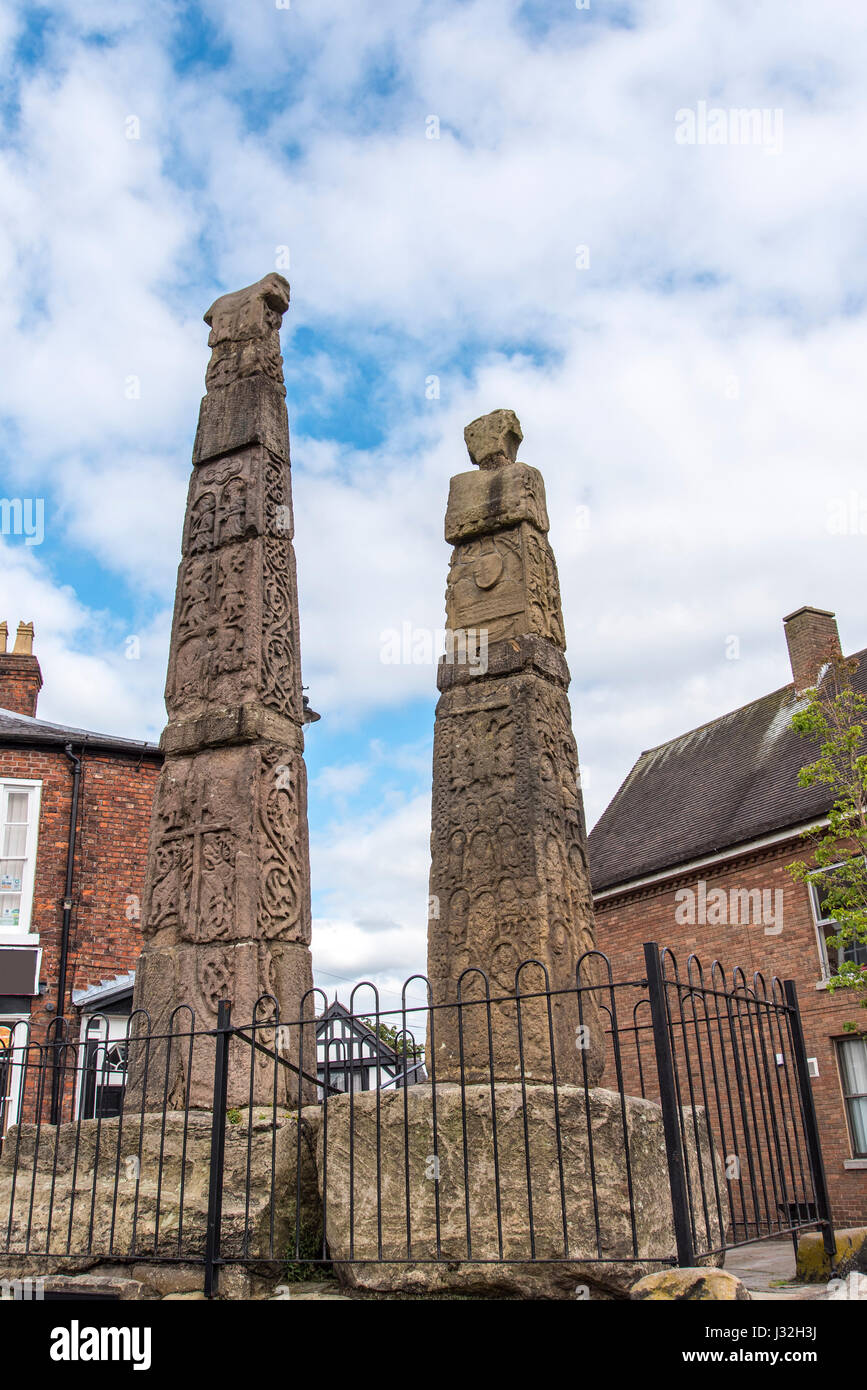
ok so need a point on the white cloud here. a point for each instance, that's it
(370, 874)
(92, 677)
(129, 513)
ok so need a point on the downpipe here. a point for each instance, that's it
(57, 1069)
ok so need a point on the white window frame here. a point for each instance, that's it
(108, 1028)
(11, 934)
(821, 923)
(839, 1044)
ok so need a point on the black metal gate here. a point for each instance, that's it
(723, 1058)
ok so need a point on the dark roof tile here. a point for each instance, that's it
(20, 729)
(721, 785)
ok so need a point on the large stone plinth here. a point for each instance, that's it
(597, 1234)
(65, 1185)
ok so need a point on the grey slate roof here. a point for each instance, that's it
(20, 729)
(721, 785)
(98, 996)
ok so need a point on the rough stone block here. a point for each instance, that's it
(493, 439)
(162, 1280)
(493, 501)
(690, 1285)
(437, 1193)
(64, 1191)
(814, 1266)
(249, 411)
(89, 1286)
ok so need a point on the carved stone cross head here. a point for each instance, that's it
(245, 333)
(253, 312)
(492, 440)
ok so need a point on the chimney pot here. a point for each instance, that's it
(24, 640)
(813, 642)
(4, 637)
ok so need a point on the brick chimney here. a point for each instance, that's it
(814, 641)
(20, 676)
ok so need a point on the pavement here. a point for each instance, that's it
(768, 1270)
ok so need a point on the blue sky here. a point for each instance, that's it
(679, 327)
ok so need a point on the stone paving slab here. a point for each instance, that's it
(768, 1270)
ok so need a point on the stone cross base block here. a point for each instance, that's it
(115, 1189)
(468, 1200)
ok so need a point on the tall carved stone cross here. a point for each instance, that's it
(226, 910)
(509, 880)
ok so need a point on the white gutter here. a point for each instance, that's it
(676, 870)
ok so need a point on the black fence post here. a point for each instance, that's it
(218, 1146)
(811, 1123)
(58, 1072)
(668, 1102)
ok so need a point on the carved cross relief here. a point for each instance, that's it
(197, 890)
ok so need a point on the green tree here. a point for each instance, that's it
(389, 1034)
(835, 718)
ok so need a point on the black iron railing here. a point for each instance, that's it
(234, 1144)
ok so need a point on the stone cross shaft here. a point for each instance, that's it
(509, 879)
(226, 909)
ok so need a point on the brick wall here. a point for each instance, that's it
(624, 923)
(115, 801)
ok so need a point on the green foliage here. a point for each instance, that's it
(233, 1116)
(389, 1034)
(299, 1270)
(835, 718)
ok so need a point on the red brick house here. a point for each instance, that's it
(693, 851)
(75, 809)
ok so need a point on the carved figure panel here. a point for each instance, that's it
(227, 500)
(202, 522)
(486, 585)
(508, 866)
(506, 584)
(215, 648)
